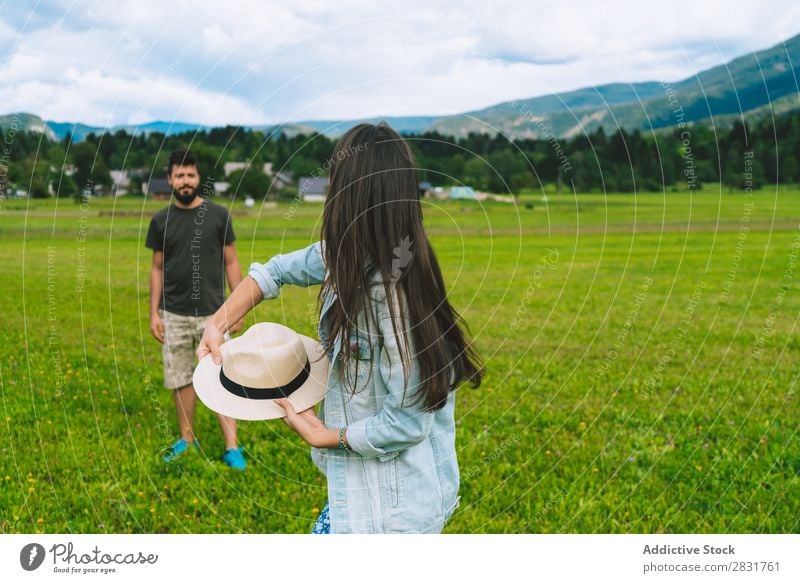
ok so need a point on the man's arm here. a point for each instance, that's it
(234, 274)
(156, 289)
(232, 269)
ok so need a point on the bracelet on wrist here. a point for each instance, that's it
(342, 444)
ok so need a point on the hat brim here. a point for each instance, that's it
(217, 398)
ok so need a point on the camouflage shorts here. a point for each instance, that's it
(181, 337)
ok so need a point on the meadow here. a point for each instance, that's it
(641, 354)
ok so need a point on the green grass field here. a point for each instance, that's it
(642, 359)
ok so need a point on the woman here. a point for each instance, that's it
(386, 436)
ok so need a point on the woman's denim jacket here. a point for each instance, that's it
(402, 475)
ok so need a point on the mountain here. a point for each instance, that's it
(80, 131)
(747, 86)
(58, 130)
(27, 122)
(332, 129)
(752, 86)
(404, 125)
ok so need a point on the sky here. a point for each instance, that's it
(250, 62)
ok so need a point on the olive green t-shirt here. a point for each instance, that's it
(194, 263)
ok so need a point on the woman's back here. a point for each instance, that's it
(402, 475)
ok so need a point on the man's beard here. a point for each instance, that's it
(186, 199)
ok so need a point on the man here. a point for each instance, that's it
(192, 240)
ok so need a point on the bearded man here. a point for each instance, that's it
(193, 253)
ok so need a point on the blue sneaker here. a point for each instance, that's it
(178, 448)
(234, 458)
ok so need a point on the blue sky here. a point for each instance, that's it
(107, 62)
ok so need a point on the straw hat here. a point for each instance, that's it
(267, 362)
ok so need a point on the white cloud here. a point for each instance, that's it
(254, 61)
(116, 100)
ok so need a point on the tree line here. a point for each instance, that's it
(741, 155)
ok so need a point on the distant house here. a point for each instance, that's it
(231, 167)
(158, 188)
(221, 187)
(463, 193)
(267, 168)
(281, 179)
(312, 189)
(120, 182)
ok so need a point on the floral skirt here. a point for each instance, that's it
(323, 524)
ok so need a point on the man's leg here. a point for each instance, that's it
(178, 355)
(185, 401)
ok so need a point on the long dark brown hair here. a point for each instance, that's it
(373, 221)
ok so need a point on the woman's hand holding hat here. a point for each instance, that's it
(210, 342)
(309, 426)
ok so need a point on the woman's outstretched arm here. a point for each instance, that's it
(243, 299)
(303, 267)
